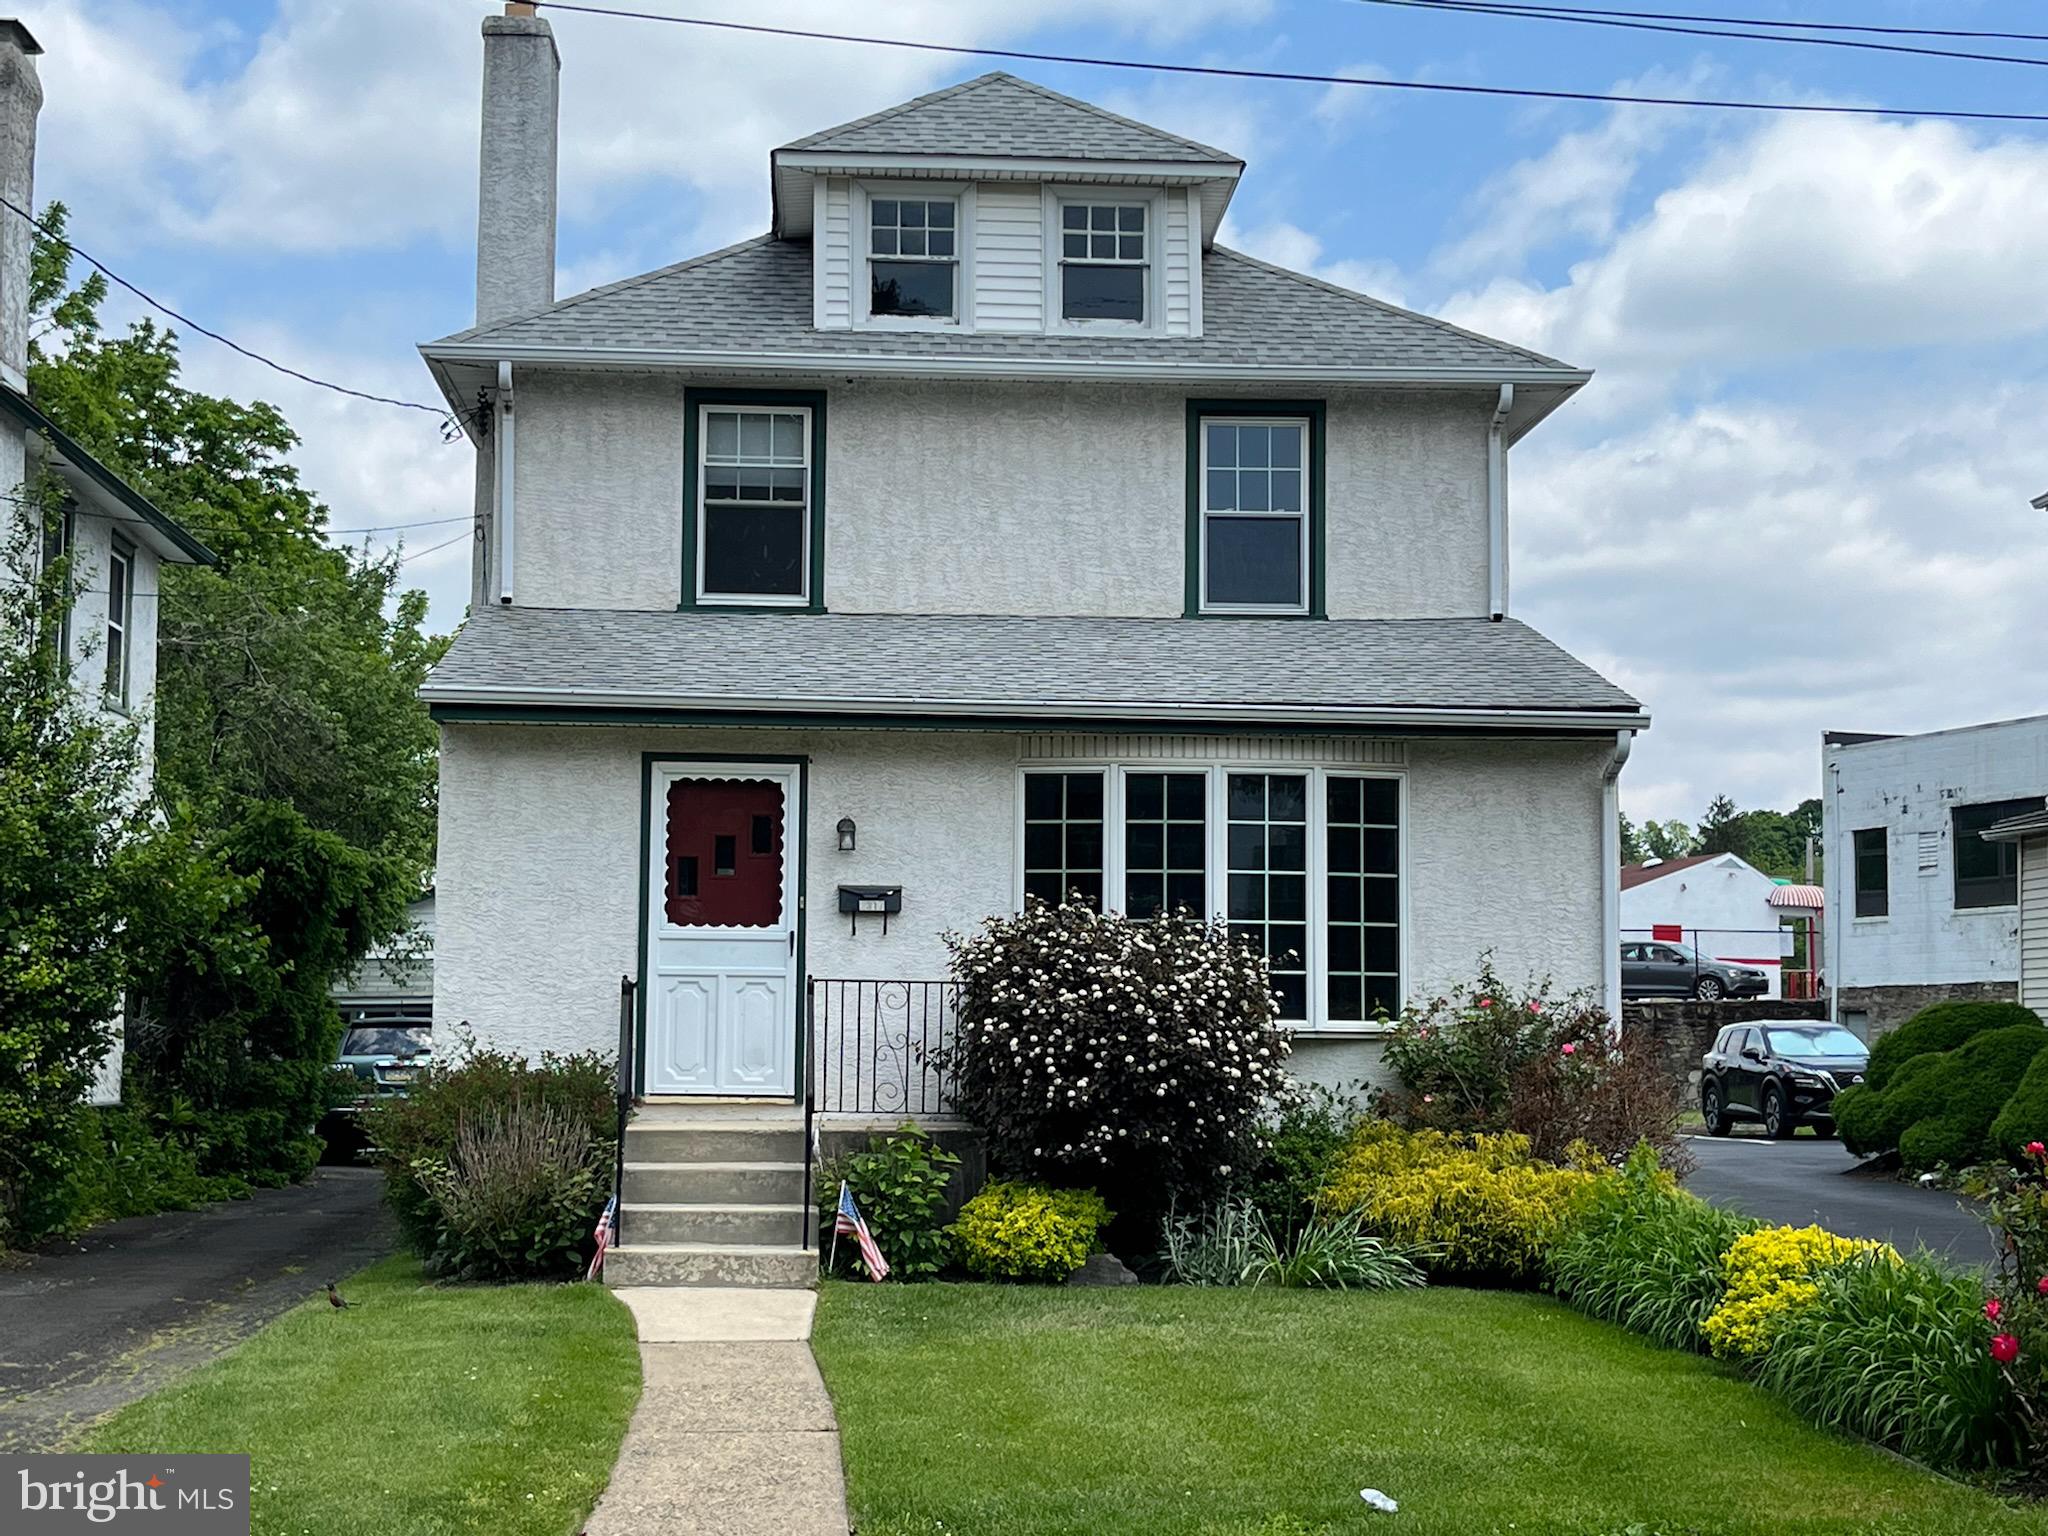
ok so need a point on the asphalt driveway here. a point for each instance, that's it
(1807, 1180)
(134, 1303)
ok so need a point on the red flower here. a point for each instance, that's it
(1486, 1002)
(2005, 1348)
(1535, 1006)
(2043, 1286)
(2036, 1149)
(1569, 1048)
(1994, 1309)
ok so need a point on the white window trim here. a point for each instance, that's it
(707, 599)
(120, 549)
(1305, 515)
(1153, 200)
(861, 232)
(1217, 771)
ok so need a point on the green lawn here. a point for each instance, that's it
(991, 1411)
(420, 1411)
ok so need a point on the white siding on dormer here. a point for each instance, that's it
(1178, 282)
(832, 254)
(1009, 259)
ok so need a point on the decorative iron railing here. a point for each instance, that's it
(628, 990)
(872, 1046)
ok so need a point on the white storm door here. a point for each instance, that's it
(721, 929)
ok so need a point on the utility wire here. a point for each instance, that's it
(234, 346)
(1528, 93)
(1801, 26)
(1554, 13)
(432, 548)
(432, 522)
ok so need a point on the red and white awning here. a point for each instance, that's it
(1804, 896)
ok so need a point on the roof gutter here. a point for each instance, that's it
(1480, 717)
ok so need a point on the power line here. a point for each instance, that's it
(1527, 93)
(1520, 12)
(1802, 26)
(431, 548)
(234, 346)
(432, 522)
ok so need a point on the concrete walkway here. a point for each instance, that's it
(734, 1433)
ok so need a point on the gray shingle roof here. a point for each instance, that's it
(756, 297)
(945, 665)
(999, 114)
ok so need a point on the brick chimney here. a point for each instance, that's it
(515, 219)
(21, 99)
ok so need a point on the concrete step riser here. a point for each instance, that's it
(625, 1266)
(687, 1185)
(712, 1225)
(705, 1144)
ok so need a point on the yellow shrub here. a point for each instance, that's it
(1480, 1206)
(1028, 1232)
(1770, 1274)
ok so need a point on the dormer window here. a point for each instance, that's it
(913, 257)
(1104, 265)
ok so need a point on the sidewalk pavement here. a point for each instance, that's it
(734, 1433)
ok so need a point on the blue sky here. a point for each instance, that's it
(1794, 499)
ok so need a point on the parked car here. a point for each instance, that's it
(1663, 969)
(1782, 1072)
(384, 1054)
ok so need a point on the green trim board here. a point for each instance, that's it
(813, 400)
(23, 410)
(1317, 414)
(800, 1013)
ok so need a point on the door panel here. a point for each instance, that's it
(721, 941)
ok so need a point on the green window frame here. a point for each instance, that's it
(695, 403)
(1315, 413)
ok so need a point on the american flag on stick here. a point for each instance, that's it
(607, 1228)
(851, 1222)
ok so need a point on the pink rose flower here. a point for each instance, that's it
(1994, 1309)
(2035, 1149)
(1534, 1006)
(1486, 1002)
(1570, 1048)
(2043, 1286)
(2005, 1348)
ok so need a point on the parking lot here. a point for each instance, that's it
(1808, 1180)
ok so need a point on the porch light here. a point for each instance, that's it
(846, 834)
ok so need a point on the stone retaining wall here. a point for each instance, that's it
(1679, 1032)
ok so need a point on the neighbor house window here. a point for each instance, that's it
(57, 536)
(1063, 837)
(1987, 874)
(751, 535)
(1267, 865)
(120, 620)
(1873, 874)
(1362, 833)
(1104, 270)
(913, 257)
(1255, 513)
(1166, 833)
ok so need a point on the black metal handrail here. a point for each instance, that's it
(879, 1039)
(628, 992)
(810, 1108)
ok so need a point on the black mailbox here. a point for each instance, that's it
(858, 901)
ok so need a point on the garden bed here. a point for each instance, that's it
(973, 1409)
(419, 1411)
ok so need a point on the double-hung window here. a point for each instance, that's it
(57, 536)
(1302, 863)
(913, 258)
(120, 621)
(1255, 483)
(755, 524)
(1987, 874)
(1105, 268)
(1873, 873)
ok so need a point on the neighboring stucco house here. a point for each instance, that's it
(1922, 906)
(984, 530)
(1725, 908)
(117, 542)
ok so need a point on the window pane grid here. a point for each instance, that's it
(1109, 233)
(1165, 843)
(1254, 500)
(912, 247)
(755, 467)
(1063, 837)
(1266, 864)
(1363, 852)
(920, 227)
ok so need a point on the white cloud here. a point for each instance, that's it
(1289, 245)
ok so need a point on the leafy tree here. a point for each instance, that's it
(1667, 840)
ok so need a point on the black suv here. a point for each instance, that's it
(1783, 1072)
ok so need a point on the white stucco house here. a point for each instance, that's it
(1922, 905)
(983, 530)
(116, 541)
(1726, 909)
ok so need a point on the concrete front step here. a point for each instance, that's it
(773, 1266)
(768, 1225)
(738, 1141)
(652, 1183)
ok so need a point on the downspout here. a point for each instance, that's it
(505, 458)
(1610, 874)
(1497, 511)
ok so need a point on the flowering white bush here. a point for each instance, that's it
(1137, 1056)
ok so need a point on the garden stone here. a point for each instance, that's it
(1102, 1269)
